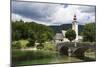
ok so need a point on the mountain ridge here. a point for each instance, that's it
(57, 29)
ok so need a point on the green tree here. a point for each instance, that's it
(31, 39)
(70, 34)
(89, 32)
(41, 38)
(31, 31)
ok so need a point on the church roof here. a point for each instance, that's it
(58, 36)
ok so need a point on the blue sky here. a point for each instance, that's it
(51, 14)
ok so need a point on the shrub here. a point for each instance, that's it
(40, 46)
(19, 44)
(49, 46)
(16, 45)
(31, 43)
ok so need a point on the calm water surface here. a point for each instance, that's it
(60, 59)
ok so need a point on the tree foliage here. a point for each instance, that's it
(89, 32)
(70, 34)
(31, 31)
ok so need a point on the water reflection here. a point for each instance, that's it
(64, 59)
(57, 58)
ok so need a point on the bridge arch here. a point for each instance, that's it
(64, 50)
(70, 49)
(79, 52)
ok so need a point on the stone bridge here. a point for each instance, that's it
(75, 49)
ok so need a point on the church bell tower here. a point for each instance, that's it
(75, 26)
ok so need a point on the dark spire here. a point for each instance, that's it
(74, 17)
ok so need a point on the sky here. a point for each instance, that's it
(50, 13)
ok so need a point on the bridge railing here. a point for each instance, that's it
(78, 44)
(87, 44)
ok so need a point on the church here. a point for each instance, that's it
(60, 37)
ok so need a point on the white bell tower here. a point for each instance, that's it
(75, 26)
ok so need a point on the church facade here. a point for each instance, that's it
(60, 37)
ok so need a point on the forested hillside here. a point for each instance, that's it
(30, 30)
(66, 27)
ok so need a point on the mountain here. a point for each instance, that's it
(57, 29)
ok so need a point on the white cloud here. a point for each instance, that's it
(18, 17)
(87, 9)
(64, 15)
(51, 14)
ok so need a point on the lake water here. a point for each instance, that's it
(60, 59)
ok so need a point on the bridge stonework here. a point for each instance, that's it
(75, 49)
